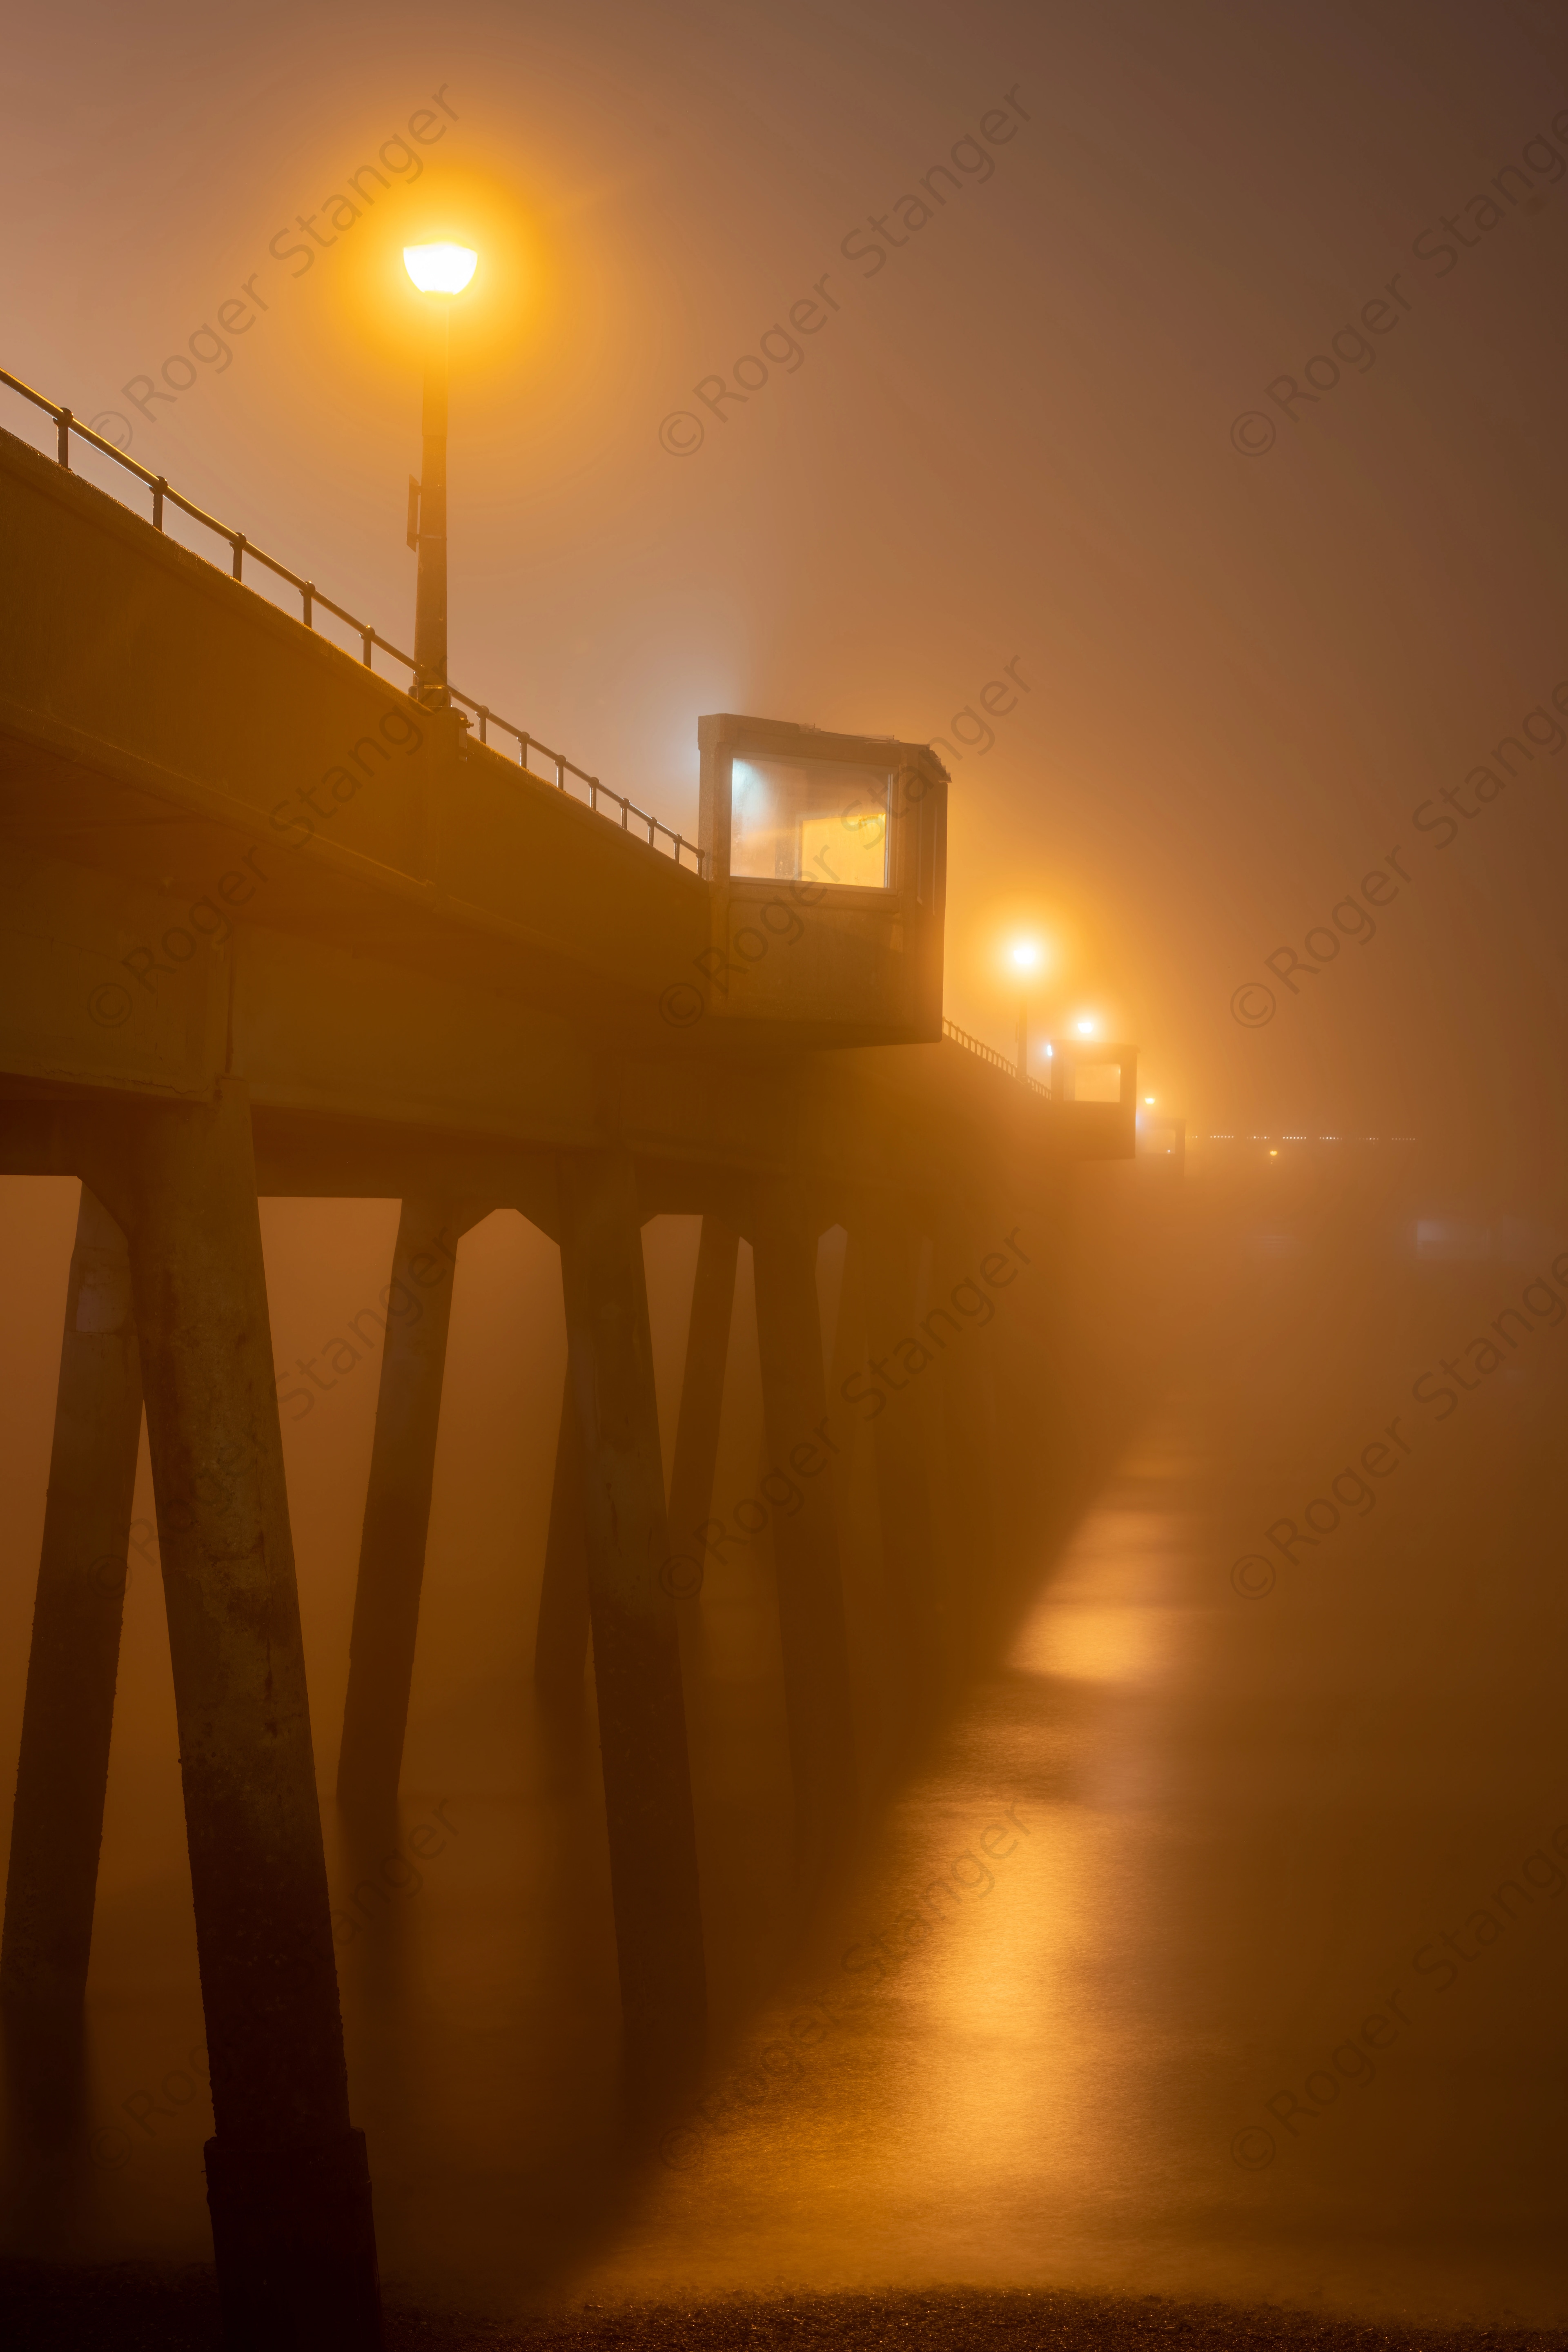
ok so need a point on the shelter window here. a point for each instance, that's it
(814, 820)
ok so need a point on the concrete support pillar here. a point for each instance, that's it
(969, 1552)
(561, 1643)
(849, 1345)
(891, 1266)
(68, 1711)
(701, 1401)
(287, 2177)
(1034, 1406)
(418, 1302)
(805, 1536)
(637, 1660)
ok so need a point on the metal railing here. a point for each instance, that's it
(370, 639)
(989, 1054)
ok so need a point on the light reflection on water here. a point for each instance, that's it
(1240, 1828)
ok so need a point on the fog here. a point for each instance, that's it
(1184, 466)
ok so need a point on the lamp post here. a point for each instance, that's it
(1025, 957)
(439, 271)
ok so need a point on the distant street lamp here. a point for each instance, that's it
(439, 271)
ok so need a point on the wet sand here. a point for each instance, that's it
(137, 2308)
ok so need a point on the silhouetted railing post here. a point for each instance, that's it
(287, 2178)
(637, 1659)
(69, 1712)
(418, 1302)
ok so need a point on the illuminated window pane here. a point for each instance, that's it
(845, 849)
(817, 820)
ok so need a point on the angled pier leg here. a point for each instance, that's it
(850, 1344)
(68, 1711)
(702, 1387)
(881, 1641)
(903, 1493)
(418, 1300)
(287, 2179)
(806, 1535)
(636, 1659)
(969, 1554)
(561, 1643)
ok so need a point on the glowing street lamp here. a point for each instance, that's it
(440, 272)
(1025, 956)
(440, 268)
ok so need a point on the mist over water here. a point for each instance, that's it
(1198, 1931)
